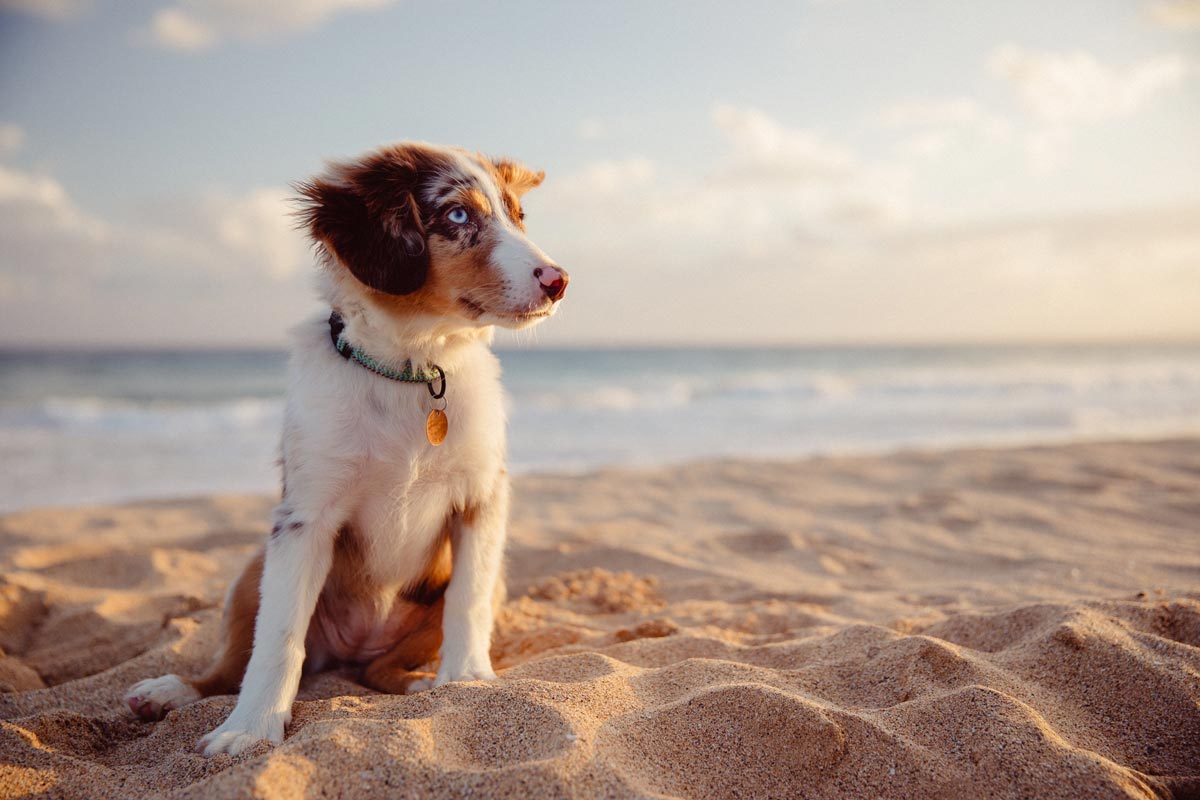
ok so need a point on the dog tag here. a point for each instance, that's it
(436, 426)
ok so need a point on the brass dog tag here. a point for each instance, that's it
(436, 426)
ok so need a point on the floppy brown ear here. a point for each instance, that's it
(374, 231)
(518, 177)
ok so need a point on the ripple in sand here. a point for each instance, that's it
(760, 542)
(499, 728)
(598, 589)
(727, 741)
(571, 668)
(1001, 741)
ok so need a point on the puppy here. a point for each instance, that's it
(386, 547)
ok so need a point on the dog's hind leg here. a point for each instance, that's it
(152, 698)
(392, 672)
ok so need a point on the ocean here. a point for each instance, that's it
(95, 427)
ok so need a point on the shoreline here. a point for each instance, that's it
(1017, 443)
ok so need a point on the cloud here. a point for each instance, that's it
(217, 234)
(934, 126)
(1074, 87)
(1179, 15)
(591, 129)
(795, 179)
(1062, 92)
(953, 113)
(221, 255)
(38, 205)
(175, 29)
(225, 235)
(604, 178)
(1098, 274)
(12, 138)
(766, 150)
(828, 247)
(48, 9)
(657, 254)
(628, 126)
(772, 187)
(923, 113)
(48, 240)
(1124, 273)
(193, 25)
(259, 228)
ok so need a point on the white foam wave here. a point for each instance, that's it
(1001, 383)
(606, 408)
(97, 414)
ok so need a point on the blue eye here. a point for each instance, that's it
(458, 215)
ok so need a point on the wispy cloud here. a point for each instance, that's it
(1071, 87)
(591, 129)
(831, 253)
(38, 205)
(175, 29)
(1062, 91)
(772, 186)
(193, 25)
(763, 149)
(1123, 273)
(12, 138)
(816, 236)
(603, 178)
(933, 126)
(48, 9)
(1059, 92)
(257, 228)
(209, 256)
(1091, 274)
(48, 240)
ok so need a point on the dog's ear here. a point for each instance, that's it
(518, 177)
(370, 222)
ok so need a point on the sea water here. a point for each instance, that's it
(87, 427)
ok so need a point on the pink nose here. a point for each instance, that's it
(554, 281)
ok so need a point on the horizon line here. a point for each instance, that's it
(16, 348)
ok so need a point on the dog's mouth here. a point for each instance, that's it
(529, 316)
(476, 310)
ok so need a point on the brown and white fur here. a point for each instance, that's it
(385, 549)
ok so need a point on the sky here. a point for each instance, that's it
(819, 171)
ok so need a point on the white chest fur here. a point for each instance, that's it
(368, 434)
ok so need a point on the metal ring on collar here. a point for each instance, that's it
(441, 376)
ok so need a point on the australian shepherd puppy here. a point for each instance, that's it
(386, 547)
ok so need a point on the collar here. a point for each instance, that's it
(407, 374)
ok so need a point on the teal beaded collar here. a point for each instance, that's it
(408, 374)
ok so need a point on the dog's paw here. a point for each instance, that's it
(234, 736)
(152, 698)
(456, 676)
(419, 685)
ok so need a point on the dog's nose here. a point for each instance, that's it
(553, 280)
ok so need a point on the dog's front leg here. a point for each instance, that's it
(478, 547)
(298, 559)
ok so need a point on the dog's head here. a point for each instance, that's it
(435, 230)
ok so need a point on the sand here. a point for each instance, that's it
(1009, 623)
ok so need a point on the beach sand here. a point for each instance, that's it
(978, 623)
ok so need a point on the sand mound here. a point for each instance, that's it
(1000, 624)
